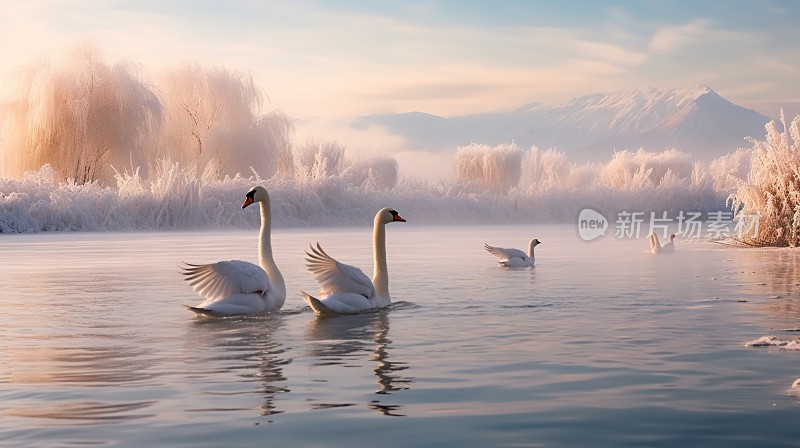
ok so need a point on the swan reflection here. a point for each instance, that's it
(344, 341)
(240, 347)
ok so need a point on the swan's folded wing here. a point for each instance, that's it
(336, 277)
(505, 254)
(219, 280)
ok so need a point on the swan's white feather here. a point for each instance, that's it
(657, 248)
(338, 278)
(233, 304)
(216, 281)
(506, 254)
(339, 303)
(517, 262)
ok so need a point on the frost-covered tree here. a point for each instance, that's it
(493, 169)
(769, 199)
(546, 170)
(315, 161)
(213, 117)
(81, 116)
(376, 172)
(633, 170)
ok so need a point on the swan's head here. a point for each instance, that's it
(387, 215)
(534, 242)
(671, 237)
(256, 194)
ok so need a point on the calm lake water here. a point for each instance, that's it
(600, 345)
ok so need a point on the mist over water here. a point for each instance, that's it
(88, 146)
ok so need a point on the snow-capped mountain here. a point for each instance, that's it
(697, 121)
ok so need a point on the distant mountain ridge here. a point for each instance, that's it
(591, 127)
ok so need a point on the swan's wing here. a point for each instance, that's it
(505, 254)
(654, 246)
(216, 281)
(335, 277)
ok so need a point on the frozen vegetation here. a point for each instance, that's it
(772, 188)
(87, 146)
(328, 189)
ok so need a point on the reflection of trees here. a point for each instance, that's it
(81, 363)
(339, 338)
(77, 363)
(72, 347)
(245, 347)
(771, 271)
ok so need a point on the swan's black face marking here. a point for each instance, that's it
(249, 198)
(396, 216)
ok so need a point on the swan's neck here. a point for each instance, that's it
(265, 258)
(531, 246)
(380, 276)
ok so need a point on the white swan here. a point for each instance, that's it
(346, 289)
(239, 287)
(514, 258)
(657, 248)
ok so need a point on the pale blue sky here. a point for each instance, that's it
(337, 58)
(448, 57)
(324, 62)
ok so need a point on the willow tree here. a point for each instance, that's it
(213, 117)
(80, 115)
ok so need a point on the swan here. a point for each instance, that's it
(514, 258)
(657, 248)
(237, 287)
(346, 289)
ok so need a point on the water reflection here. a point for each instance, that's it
(243, 348)
(87, 412)
(343, 341)
(771, 271)
(85, 363)
(92, 360)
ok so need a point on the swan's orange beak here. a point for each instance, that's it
(399, 218)
(247, 202)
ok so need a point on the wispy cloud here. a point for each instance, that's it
(672, 38)
(613, 54)
(326, 58)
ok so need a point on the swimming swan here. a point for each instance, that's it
(514, 258)
(657, 248)
(239, 287)
(346, 289)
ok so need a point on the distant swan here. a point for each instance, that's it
(514, 258)
(657, 248)
(346, 289)
(236, 287)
